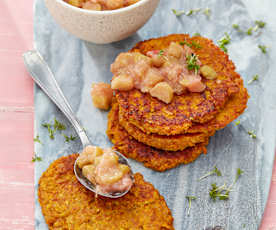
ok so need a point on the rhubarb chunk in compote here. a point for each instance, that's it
(161, 73)
(102, 168)
(99, 5)
(163, 92)
(101, 95)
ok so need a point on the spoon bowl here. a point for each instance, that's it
(43, 76)
(90, 186)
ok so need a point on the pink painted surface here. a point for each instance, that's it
(16, 122)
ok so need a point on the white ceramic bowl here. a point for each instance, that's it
(102, 27)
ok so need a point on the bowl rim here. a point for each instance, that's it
(104, 12)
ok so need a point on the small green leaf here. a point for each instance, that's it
(260, 23)
(161, 53)
(190, 198)
(218, 192)
(218, 172)
(51, 134)
(196, 34)
(224, 41)
(249, 31)
(190, 12)
(192, 63)
(237, 122)
(252, 134)
(185, 43)
(196, 45)
(69, 138)
(254, 78)
(237, 28)
(36, 139)
(222, 192)
(263, 48)
(36, 158)
(214, 171)
(178, 13)
(50, 130)
(47, 125)
(58, 125)
(224, 196)
(193, 44)
(207, 12)
(238, 174)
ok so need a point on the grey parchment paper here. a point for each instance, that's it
(76, 64)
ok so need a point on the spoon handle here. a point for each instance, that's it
(43, 76)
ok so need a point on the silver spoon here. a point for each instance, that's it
(42, 75)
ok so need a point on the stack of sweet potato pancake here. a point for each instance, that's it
(163, 136)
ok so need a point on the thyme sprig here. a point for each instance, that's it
(222, 192)
(58, 125)
(196, 34)
(36, 158)
(190, 199)
(178, 13)
(225, 40)
(36, 139)
(192, 62)
(50, 130)
(263, 48)
(249, 31)
(69, 138)
(193, 11)
(252, 134)
(237, 122)
(239, 172)
(207, 12)
(161, 53)
(193, 44)
(53, 128)
(254, 78)
(258, 25)
(214, 171)
(237, 28)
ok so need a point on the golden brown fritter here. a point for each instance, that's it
(153, 116)
(163, 142)
(153, 158)
(233, 108)
(67, 205)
